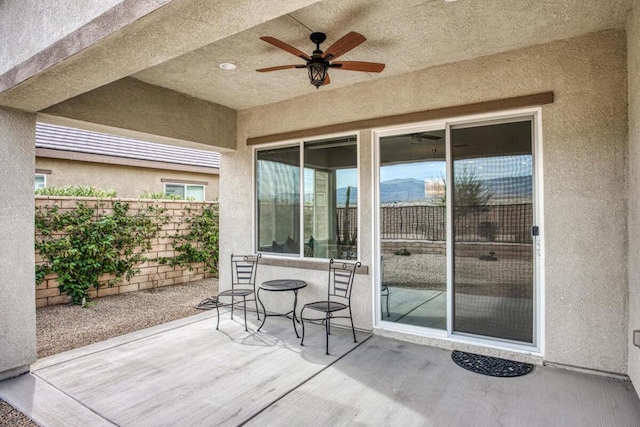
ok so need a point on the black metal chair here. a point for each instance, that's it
(384, 289)
(385, 292)
(341, 275)
(243, 284)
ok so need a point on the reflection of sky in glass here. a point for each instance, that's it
(347, 177)
(484, 168)
(423, 171)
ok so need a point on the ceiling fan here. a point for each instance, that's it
(319, 62)
(418, 138)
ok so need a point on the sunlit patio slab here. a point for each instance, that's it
(187, 373)
(182, 373)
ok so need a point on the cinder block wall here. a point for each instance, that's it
(152, 273)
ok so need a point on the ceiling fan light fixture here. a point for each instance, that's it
(317, 73)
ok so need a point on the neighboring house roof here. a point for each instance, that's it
(54, 137)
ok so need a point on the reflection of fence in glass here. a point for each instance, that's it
(353, 223)
(338, 226)
(495, 223)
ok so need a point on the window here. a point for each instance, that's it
(323, 194)
(40, 181)
(186, 191)
(278, 188)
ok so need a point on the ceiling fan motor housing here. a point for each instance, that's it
(318, 38)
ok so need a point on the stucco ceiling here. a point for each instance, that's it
(407, 35)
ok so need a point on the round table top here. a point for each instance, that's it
(283, 285)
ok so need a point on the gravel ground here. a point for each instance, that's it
(504, 277)
(11, 417)
(64, 327)
(61, 328)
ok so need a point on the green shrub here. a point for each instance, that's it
(402, 252)
(200, 244)
(82, 244)
(75, 191)
(162, 196)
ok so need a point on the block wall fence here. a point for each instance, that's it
(152, 273)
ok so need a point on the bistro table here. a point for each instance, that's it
(282, 285)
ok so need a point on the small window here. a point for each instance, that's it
(40, 181)
(186, 191)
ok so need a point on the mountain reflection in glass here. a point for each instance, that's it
(413, 229)
(331, 198)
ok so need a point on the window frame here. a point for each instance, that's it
(301, 144)
(184, 186)
(44, 177)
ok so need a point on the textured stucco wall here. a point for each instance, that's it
(633, 65)
(17, 305)
(32, 25)
(128, 181)
(137, 106)
(584, 177)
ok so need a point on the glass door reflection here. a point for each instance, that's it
(493, 257)
(413, 229)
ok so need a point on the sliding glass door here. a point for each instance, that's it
(492, 218)
(413, 229)
(455, 220)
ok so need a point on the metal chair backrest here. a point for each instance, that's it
(243, 270)
(341, 274)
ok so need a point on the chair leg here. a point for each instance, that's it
(302, 321)
(352, 327)
(233, 302)
(244, 300)
(255, 300)
(218, 311)
(327, 327)
(264, 311)
(388, 297)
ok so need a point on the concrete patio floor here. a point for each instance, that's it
(187, 373)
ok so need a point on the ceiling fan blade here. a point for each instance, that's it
(326, 80)
(287, 47)
(369, 67)
(280, 67)
(344, 45)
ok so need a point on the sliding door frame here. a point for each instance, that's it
(535, 114)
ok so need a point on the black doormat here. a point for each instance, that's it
(492, 366)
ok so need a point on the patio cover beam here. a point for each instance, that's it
(420, 116)
(132, 108)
